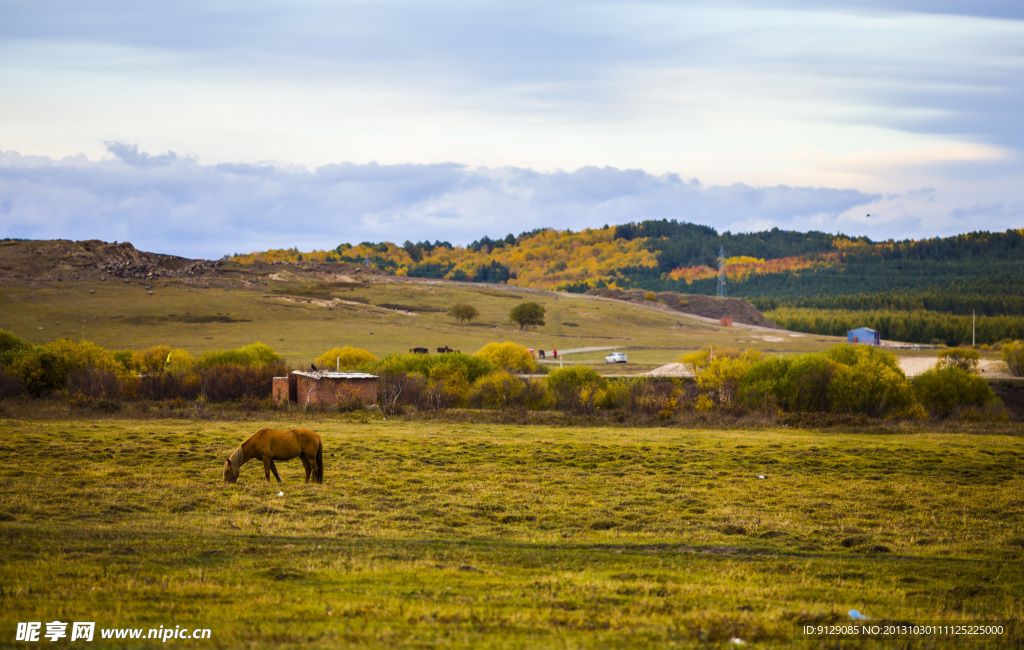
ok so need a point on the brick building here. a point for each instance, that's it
(325, 387)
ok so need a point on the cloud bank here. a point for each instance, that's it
(174, 204)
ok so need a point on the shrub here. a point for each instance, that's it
(869, 381)
(150, 360)
(503, 390)
(805, 386)
(852, 355)
(9, 385)
(616, 395)
(946, 389)
(790, 383)
(396, 390)
(167, 385)
(11, 347)
(447, 384)
(722, 377)
(1013, 357)
(229, 381)
(510, 356)
(762, 386)
(346, 358)
(422, 364)
(696, 361)
(576, 389)
(647, 397)
(91, 383)
(257, 354)
(959, 358)
(46, 368)
(847, 379)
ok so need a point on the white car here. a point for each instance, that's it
(615, 357)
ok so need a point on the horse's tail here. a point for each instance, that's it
(320, 461)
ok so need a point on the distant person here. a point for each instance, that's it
(554, 354)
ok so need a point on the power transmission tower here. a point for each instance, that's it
(721, 272)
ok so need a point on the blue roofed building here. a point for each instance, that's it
(864, 335)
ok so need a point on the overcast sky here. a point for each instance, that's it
(206, 127)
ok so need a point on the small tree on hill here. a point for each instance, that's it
(527, 314)
(463, 312)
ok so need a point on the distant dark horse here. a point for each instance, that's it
(278, 444)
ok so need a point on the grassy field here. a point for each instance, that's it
(301, 320)
(429, 534)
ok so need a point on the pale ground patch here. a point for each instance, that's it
(913, 366)
(671, 370)
(338, 302)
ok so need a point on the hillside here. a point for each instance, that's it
(62, 260)
(801, 280)
(122, 298)
(59, 260)
(740, 311)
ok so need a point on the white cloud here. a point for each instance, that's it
(769, 103)
(176, 204)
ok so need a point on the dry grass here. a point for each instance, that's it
(467, 535)
(301, 321)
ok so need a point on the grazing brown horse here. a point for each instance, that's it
(278, 444)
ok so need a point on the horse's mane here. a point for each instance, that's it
(236, 461)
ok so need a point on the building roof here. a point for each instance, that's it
(863, 329)
(331, 374)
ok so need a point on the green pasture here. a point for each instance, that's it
(302, 320)
(434, 534)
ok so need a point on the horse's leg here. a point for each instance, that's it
(305, 463)
(312, 468)
(268, 467)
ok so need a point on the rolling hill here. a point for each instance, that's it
(122, 298)
(923, 291)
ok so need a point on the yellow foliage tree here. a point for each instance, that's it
(508, 355)
(346, 358)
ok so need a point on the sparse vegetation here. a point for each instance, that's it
(510, 536)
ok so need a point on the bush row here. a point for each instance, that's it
(82, 371)
(847, 379)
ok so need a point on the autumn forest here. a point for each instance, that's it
(941, 290)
